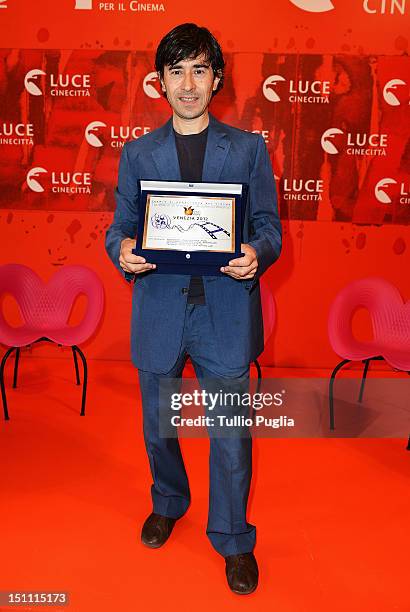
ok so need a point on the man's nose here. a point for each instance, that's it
(188, 82)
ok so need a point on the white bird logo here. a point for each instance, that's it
(327, 145)
(381, 195)
(31, 179)
(92, 138)
(30, 86)
(314, 6)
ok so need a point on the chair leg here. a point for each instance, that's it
(408, 445)
(77, 373)
(3, 387)
(366, 367)
(16, 367)
(85, 377)
(258, 386)
(259, 371)
(331, 382)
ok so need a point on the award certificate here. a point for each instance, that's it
(189, 223)
(190, 228)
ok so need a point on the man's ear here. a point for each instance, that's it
(161, 82)
(217, 78)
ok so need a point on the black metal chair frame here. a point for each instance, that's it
(259, 371)
(332, 380)
(75, 349)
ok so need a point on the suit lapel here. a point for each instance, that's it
(165, 156)
(217, 148)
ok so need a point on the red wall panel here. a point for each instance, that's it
(326, 83)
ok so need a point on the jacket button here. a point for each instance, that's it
(184, 291)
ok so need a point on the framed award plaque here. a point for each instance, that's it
(190, 228)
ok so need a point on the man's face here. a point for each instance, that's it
(188, 86)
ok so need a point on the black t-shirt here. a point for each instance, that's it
(191, 153)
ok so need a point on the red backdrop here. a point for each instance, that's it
(326, 83)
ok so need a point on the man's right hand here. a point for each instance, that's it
(132, 263)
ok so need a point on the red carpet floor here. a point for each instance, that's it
(332, 515)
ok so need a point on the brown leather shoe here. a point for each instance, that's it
(242, 573)
(156, 530)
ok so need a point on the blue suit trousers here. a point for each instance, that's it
(230, 460)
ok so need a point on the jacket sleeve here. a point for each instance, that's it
(125, 222)
(265, 226)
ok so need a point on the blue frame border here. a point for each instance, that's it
(197, 263)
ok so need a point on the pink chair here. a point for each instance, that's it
(390, 318)
(45, 309)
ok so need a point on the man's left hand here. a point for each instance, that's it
(243, 268)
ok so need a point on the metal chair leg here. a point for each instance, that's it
(259, 371)
(3, 387)
(77, 373)
(366, 367)
(331, 382)
(258, 386)
(16, 367)
(85, 378)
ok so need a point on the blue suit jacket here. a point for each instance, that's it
(158, 303)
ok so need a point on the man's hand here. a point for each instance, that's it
(243, 268)
(130, 262)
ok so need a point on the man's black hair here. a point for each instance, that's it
(187, 41)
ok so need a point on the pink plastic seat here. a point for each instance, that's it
(45, 309)
(390, 318)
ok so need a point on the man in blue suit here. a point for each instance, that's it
(216, 320)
